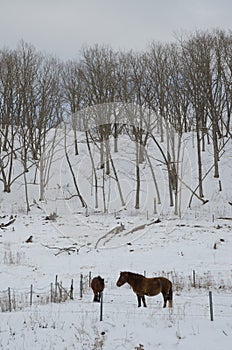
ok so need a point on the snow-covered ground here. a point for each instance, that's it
(199, 242)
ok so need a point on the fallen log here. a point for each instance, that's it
(4, 225)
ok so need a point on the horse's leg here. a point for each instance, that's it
(144, 302)
(139, 300)
(169, 297)
(165, 299)
(96, 297)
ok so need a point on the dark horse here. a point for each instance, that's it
(147, 286)
(97, 285)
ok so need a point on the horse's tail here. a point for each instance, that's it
(170, 295)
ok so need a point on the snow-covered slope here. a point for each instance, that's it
(80, 242)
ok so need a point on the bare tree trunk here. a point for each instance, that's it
(41, 178)
(93, 168)
(83, 203)
(75, 142)
(26, 193)
(7, 169)
(6, 186)
(199, 161)
(107, 155)
(137, 195)
(45, 163)
(180, 184)
(177, 167)
(118, 182)
(115, 137)
(102, 154)
(215, 149)
(169, 170)
(153, 177)
(103, 191)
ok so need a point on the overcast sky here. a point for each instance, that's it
(62, 27)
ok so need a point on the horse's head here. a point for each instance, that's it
(101, 280)
(122, 279)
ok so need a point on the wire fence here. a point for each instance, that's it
(189, 291)
(15, 300)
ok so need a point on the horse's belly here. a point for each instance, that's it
(153, 289)
(152, 294)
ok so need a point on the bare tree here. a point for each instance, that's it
(98, 72)
(73, 96)
(195, 62)
(10, 113)
(75, 182)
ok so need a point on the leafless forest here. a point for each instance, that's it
(159, 94)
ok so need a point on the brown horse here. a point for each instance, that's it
(147, 286)
(97, 285)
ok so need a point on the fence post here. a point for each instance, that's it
(71, 290)
(60, 290)
(211, 305)
(56, 285)
(101, 306)
(220, 185)
(9, 298)
(51, 292)
(31, 292)
(81, 286)
(90, 278)
(194, 278)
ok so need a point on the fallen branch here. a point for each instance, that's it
(68, 250)
(224, 218)
(141, 227)
(4, 225)
(112, 232)
(121, 228)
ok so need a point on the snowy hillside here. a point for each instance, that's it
(71, 242)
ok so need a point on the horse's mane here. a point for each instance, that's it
(134, 275)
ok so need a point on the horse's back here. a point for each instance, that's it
(165, 282)
(97, 284)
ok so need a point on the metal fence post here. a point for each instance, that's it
(211, 305)
(101, 306)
